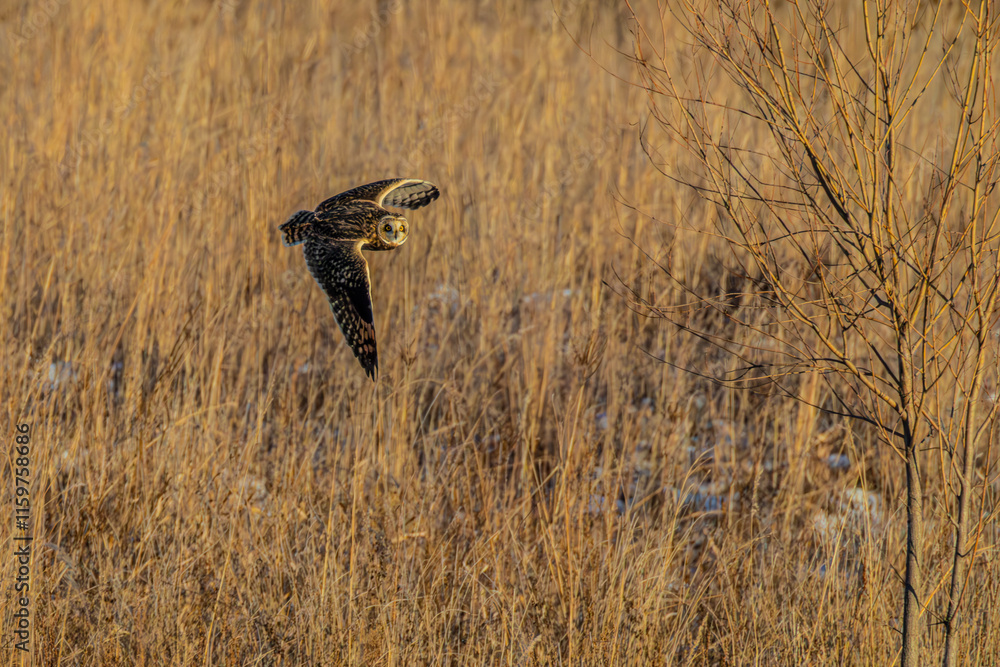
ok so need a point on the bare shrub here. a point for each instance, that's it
(860, 251)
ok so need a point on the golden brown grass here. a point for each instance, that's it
(214, 479)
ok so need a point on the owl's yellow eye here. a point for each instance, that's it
(387, 227)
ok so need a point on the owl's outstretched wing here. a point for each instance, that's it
(397, 192)
(342, 272)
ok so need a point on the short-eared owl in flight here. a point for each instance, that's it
(334, 236)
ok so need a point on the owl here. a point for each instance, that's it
(334, 236)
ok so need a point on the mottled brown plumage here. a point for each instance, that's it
(334, 236)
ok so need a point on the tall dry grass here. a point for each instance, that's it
(215, 481)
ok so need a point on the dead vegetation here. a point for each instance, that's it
(215, 481)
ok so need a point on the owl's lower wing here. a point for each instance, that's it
(342, 272)
(397, 192)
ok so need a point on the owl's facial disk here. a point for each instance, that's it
(393, 229)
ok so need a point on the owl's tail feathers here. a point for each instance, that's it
(296, 230)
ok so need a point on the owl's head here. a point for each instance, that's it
(392, 229)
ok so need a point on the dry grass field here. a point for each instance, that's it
(213, 479)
